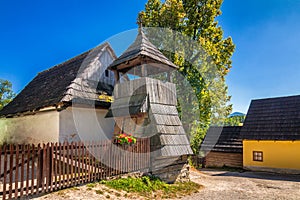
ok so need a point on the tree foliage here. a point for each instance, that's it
(6, 93)
(235, 120)
(195, 19)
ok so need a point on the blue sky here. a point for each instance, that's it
(36, 35)
(267, 57)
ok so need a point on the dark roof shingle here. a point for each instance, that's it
(48, 88)
(273, 119)
(223, 139)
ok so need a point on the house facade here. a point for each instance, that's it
(223, 147)
(62, 103)
(271, 135)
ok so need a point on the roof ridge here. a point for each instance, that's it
(271, 98)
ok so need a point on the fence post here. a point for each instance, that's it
(51, 166)
(39, 168)
(4, 172)
(11, 163)
(16, 171)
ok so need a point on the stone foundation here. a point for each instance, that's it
(171, 170)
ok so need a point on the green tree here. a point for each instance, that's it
(195, 19)
(235, 120)
(6, 93)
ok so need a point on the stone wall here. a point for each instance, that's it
(171, 170)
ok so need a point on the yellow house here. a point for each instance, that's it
(271, 135)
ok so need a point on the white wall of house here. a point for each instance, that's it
(84, 124)
(71, 124)
(41, 127)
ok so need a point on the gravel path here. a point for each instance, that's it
(247, 185)
(220, 185)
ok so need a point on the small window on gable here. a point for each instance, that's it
(258, 156)
(106, 73)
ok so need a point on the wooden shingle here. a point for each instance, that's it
(59, 84)
(273, 119)
(223, 139)
(141, 48)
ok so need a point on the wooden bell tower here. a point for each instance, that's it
(146, 107)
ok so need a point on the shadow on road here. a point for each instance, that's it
(258, 175)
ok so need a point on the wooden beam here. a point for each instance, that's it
(117, 76)
(169, 77)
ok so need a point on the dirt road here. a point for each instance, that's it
(220, 185)
(247, 185)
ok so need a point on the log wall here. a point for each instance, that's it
(221, 159)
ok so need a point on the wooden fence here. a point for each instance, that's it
(29, 169)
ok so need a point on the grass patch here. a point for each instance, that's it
(91, 185)
(99, 192)
(74, 188)
(152, 187)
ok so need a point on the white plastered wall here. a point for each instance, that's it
(84, 124)
(41, 127)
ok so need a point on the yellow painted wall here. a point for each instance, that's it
(276, 154)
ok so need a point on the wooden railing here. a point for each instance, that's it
(28, 169)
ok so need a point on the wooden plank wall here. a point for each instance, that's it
(220, 159)
(28, 169)
(158, 91)
(129, 124)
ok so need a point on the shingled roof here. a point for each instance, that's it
(273, 119)
(228, 139)
(57, 85)
(140, 48)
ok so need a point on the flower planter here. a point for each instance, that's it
(125, 139)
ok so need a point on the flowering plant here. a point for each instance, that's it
(124, 138)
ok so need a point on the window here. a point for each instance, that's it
(258, 156)
(106, 73)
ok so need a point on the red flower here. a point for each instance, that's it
(124, 138)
